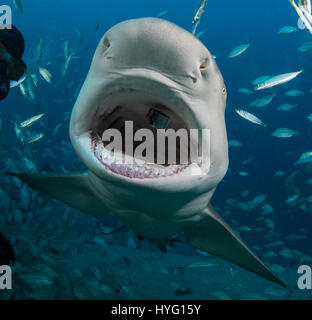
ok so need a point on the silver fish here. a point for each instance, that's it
(14, 84)
(33, 138)
(46, 75)
(31, 121)
(250, 117)
(199, 12)
(278, 80)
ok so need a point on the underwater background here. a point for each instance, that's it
(62, 253)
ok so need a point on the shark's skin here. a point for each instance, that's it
(155, 60)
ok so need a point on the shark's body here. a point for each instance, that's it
(141, 65)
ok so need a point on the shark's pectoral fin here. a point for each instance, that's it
(71, 189)
(211, 234)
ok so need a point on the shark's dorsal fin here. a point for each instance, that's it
(211, 234)
(72, 189)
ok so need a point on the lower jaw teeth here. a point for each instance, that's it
(115, 164)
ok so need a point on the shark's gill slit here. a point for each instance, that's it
(143, 113)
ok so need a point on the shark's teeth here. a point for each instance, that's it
(137, 169)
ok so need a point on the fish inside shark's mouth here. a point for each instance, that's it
(155, 141)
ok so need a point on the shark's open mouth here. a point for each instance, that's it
(135, 113)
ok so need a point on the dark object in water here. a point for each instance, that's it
(13, 41)
(4, 81)
(7, 254)
(182, 291)
(11, 51)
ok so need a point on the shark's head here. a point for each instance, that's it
(157, 75)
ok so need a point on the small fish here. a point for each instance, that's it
(244, 228)
(237, 51)
(286, 253)
(286, 30)
(279, 173)
(309, 117)
(245, 194)
(262, 102)
(18, 132)
(275, 244)
(35, 79)
(250, 117)
(199, 12)
(18, 5)
(23, 90)
(201, 265)
(79, 36)
(33, 138)
(46, 75)
(199, 34)
(31, 88)
(56, 129)
(258, 199)
(249, 160)
(66, 65)
(14, 84)
(221, 295)
(278, 80)
(270, 223)
(31, 121)
(269, 254)
(66, 49)
(292, 198)
(234, 143)
(295, 237)
(162, 14)
(242, 173)
(305, 47)
(39, 50)
(284, 133)
(285, 107)
(294, 93)
(245, 91)
(260, 80)
(306, 157)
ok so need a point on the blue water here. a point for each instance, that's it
(226, 24)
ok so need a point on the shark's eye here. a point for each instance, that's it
(106, 42)
(204, 64)
(224, 90)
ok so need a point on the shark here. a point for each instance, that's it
(141, 67)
